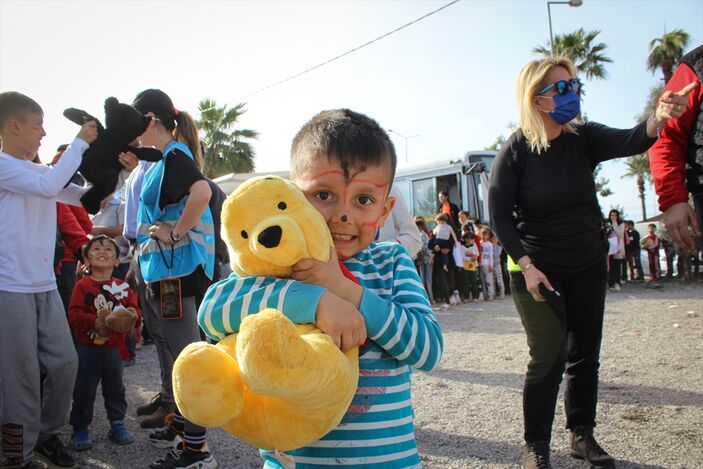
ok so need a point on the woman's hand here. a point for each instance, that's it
(161, 231)
(533, 278)
(128, 160)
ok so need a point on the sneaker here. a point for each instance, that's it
(535, 455)
(119, 434)
(80, 439)
(584, 446)
(32, 465)
(617, 287)
(52, 452)
(129, 362)
(182, 459)
(165, 438)
(158, 418)
(151, 406)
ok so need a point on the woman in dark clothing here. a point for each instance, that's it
(176, 240)
(543, 207)
(446, 206)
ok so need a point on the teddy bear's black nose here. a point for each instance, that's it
(270, 237)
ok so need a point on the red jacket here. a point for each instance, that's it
(82, 311)
(667, 157)
(72, 234)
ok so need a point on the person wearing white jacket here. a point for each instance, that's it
(400, 226)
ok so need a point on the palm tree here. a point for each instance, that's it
(666, 51)
(224, 150)
(580, 47)
(638, 168)
(601, 183)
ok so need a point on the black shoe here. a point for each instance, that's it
(165, 438)
(150, 407)
(535, 455)
(584, 446)
(54, 453)
(182, 459)
(158, 418)
(32, 465)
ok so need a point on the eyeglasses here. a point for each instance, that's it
(563, 86)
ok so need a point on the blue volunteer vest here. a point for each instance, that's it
(158, 260)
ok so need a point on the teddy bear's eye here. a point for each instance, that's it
(244, 234)
(282, 205)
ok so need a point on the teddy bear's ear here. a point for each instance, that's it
(110, 104)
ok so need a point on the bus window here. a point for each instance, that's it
(424, 197)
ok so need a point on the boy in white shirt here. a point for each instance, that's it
(38, 342)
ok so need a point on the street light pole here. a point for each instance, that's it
(406, 141)
(571, 3)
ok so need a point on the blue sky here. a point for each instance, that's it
(449, 78)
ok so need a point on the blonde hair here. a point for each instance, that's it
(530, 81)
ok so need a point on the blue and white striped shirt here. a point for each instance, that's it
(377, 430)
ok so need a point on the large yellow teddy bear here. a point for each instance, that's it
(275, 385)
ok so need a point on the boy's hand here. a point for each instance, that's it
(101, 328)
(340, 320)
(88, 132)
(328, 275)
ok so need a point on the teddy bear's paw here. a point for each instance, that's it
(206, 385)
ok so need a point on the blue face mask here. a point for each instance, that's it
(566, 107)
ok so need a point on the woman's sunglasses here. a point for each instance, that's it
(563, 86)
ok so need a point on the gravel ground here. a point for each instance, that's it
(468, 411)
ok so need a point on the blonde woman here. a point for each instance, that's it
(544, 174)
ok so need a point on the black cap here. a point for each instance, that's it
(153, 100)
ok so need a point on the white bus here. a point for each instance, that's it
(464, 179)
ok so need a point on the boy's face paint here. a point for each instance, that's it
(30, 131)
(102, 254)
(354, 208)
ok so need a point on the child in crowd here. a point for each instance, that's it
(100, 350)
(470, 281)
(344, 162)
(498, 267)
(424, 256)
(632, 251)
(651, 244)
(38, 364)
(487, 264)
(443, 233)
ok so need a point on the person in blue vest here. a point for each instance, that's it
(176, 240)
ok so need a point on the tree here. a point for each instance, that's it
(500, 140)
(580, 47)
(665, 52)
(638, 168)
(601, 183)
(224, 150)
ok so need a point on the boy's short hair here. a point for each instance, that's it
(442, 217)
(652, 225)
(14, 104)
(463, 212)
(354, 139)
(103, 238)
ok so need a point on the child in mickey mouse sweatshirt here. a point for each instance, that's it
(100, 350)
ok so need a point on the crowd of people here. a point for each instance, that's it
(77, 290)
(457, 256)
